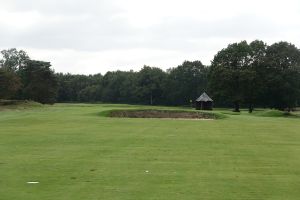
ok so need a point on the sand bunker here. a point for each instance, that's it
(171, 114)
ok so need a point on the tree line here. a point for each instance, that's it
(242, 74)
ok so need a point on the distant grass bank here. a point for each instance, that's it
(18, 105)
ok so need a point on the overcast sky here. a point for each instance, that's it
(96, 36)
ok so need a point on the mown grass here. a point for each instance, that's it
(75, 152)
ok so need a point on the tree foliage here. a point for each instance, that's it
(186, 82)
(257, 74)
(23, 78)
(150, 84)
(282, 75)
(39, 81)
(13, 59)
(9, 84)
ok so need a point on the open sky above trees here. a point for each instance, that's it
(92, 36)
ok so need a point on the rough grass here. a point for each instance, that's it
(77, 153)
(18, 105)
(262, 113)
(275, 113)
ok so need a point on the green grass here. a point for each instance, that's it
(77, 153)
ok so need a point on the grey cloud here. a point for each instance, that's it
(92, 26)
(98, 33)
(63, 6)
(97, 26)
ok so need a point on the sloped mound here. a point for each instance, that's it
(18, 104)
(276, 113)
(171, 114)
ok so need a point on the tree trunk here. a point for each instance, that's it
(250, 108)
(236, 106)
(151, 99)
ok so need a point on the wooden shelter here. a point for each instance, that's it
(204, 102)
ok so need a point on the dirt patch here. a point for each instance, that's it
(161, 114)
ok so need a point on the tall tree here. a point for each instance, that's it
(150, 83)
(9, 84)
(39, 81)
(251, 77)
(227, 73)
(282, 76)
(186, 82)
(119, 87)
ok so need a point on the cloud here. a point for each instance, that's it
(90, 36)
(86, 62)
